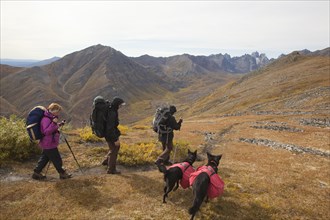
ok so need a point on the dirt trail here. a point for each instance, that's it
(9, 175)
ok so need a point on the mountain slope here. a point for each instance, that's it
(193, 83)
(292, 83)
(77, 78)
(44, 62)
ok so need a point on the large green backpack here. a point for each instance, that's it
(98, 117)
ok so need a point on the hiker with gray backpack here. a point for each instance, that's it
(104, 122)
(164, 124)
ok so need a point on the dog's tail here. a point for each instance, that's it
(200, 190)
(197, 203)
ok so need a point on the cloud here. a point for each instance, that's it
(39, 30)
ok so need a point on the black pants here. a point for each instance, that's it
(52, 155)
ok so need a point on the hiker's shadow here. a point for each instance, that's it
(227, 208)
(84, 192)
(154, 188)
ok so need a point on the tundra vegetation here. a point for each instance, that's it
(261, 182)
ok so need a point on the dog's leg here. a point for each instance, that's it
(176, 186)
(166, 187)
(200, 186)
(166, 190)
(169, 187)
(207, 199)
(165, 194)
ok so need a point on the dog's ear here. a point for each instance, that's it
(189, 152)
(195, 152)
(209, 156)
(218, 158)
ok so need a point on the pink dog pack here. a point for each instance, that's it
(216, 185)
(186, 169)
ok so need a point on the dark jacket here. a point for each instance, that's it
(174, 125)
(112, 132)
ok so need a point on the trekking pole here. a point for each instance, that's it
(176, 147)
(67, 143)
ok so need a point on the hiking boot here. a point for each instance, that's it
(65, 175)
(38, 176)
(113, 172)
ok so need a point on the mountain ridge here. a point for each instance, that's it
(294, 82)
(75, 79)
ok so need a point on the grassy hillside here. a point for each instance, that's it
(261, 182)
(292, 83)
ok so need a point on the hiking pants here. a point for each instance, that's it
(52, 155)
(164, 148)
(167, 148)
(112, 155)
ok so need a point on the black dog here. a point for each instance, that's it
(201, 184)
(174, 174)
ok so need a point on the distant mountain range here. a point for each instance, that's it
(27, 63)
(182, 65)
(143, 82)
(179, 64)
(292, 83)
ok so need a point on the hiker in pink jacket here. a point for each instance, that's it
(49, 128)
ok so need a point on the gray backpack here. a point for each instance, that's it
(160, 119)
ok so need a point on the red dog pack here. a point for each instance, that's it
(186, 169)
(216, 186)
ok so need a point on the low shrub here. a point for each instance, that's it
(141, 127)
(138, 154)
(87, 135)
(180, 150)
(123, 129)
(147, 153)
(15, 143)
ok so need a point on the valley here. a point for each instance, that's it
(271, 125)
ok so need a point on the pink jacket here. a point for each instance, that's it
(216, 185)
(186, 169)
(50, 130)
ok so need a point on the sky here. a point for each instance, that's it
(44, 29)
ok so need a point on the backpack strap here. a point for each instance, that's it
(211, 170)
(185, 166)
